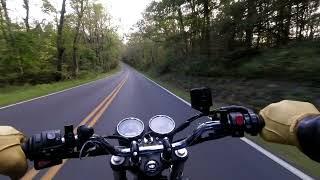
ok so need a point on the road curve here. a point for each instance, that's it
(227, 158)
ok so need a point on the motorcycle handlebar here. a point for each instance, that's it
(60, 148)
(51, 145)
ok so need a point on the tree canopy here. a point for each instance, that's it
(216, 32)
(81, 40)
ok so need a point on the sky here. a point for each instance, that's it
(125, 13)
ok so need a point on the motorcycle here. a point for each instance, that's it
(144, 153)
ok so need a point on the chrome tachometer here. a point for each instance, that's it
(130, 127)
(161, 124)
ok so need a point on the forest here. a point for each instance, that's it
(276, 39)
(247, 38)
(76, 42)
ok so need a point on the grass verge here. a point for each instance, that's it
(13, 94)
(288, 153)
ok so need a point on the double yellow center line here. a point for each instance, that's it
(94, 116)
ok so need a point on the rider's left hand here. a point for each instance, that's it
(13, 162)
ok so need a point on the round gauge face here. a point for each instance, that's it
(161, 124)
(130, 127)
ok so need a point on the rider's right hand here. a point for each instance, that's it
(294, 123)
(13, 162)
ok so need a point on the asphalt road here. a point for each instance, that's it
(226, 158)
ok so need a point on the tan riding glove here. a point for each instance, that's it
(13, 162)
(281, 120)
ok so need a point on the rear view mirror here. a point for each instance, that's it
(201, 99)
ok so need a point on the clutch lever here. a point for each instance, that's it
(207, 131)
(186, 124)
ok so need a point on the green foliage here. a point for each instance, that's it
(246, 38)
(47, 7)
(299, 61)
(27, 59)
(29, 56)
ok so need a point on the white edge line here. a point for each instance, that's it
(58, 92)
(273, 157)
(281, 162)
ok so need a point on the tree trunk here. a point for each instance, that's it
(60, 47)
(26, 20)
(11, 39)
(75, 41)
(8, 21)
(206, 14)
(75, 63)
(311, 34)
(304, 9)
(286, 32)
(297, 20)
(182, 31)
(251, 22)
(2, 26)
(194, 27)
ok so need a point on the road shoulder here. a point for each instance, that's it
(19, 95)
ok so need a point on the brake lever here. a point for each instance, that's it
(234, 108)
(217, 129)
(186, 124)
(208, 138)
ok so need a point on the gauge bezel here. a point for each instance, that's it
(168, 117)
(130, 118)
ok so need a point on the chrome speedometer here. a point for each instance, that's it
(161, 124)
(130, 127)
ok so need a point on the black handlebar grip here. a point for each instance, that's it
(261, 123)
(24, 147)
(44, 145)
(256, 122)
